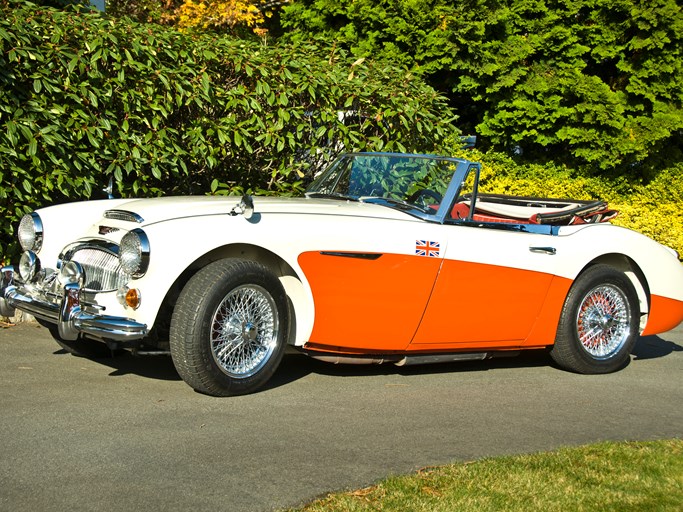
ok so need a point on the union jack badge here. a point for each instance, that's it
(427, 248)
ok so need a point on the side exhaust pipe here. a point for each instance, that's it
(398, 359)
(441, 358)
(340, 359)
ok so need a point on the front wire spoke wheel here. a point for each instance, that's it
(229, 328)
(244, 331)
(603, 321)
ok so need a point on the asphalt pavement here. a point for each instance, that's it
(126, 433)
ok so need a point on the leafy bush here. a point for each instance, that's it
(84, 98)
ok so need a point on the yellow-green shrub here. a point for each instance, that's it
(654, 209)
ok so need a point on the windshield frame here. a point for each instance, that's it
(462, 168)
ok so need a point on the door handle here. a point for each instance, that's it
(544, 250)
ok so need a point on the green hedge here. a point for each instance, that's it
(84, 98)
(597, 81)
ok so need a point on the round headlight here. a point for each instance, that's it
(31, 232)
(29, 265)
(71, 273)
(134, 253)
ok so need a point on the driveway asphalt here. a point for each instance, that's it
(126, 433)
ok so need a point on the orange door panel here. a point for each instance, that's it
(475, 304)
(367, 302)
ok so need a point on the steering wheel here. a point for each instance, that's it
(421, 198)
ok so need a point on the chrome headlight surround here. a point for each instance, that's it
(134, 253)
(30, 232)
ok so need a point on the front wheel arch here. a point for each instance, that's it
(299, 301)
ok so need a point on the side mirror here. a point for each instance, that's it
(244, 207)
(247, 206)
(109, 189)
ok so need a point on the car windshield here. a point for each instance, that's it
(416, 184)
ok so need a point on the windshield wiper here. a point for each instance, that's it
(331, 195)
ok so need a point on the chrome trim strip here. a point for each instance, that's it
(539, 229)
(123, 215)
(414, 359)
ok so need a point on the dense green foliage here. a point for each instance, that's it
(144, 11)
(84, 98)
(575, 81)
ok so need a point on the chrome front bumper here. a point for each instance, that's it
(66, 312)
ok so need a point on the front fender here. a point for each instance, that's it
(191, 243)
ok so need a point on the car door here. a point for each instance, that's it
(371, 282)
(490, 288)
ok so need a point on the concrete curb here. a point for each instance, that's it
(19, 318)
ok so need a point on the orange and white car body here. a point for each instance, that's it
(480, 286)
(365, 279)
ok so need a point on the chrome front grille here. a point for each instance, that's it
(101, 265)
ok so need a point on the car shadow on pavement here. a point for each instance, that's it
(653, 347)
(157, 367)
(297, 366)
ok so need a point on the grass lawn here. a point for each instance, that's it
(635, 476)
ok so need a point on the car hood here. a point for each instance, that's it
(163, 209)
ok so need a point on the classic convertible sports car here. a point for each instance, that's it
(389, 258)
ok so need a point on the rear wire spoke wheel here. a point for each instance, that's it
(599, 323)
(229, 326)
(602, 321)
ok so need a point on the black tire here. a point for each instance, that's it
(599, 324)
(229, 328)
